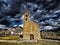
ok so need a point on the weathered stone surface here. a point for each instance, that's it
(31, 30)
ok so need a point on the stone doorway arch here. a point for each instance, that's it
(31, 37)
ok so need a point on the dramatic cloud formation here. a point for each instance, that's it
(44, 12)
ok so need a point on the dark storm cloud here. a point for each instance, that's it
(51, 5)
(12, 10)
(9, 7)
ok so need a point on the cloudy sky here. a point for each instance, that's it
(44, 12)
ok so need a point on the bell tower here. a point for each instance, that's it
(26, 17)
(26, 27)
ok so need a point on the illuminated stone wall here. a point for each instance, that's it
(30, 28)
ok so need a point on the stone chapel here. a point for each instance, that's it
(31, 30)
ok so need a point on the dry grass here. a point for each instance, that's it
(10, 38)
(32, 43)
(51, 35)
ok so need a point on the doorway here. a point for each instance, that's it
(31, 37)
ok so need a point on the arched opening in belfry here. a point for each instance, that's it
(26, 17)
(31, 36)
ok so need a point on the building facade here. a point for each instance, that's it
(31, 30)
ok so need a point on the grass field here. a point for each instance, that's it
(32, 43)
(10, 38)
(54, 35)
(50, 35)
